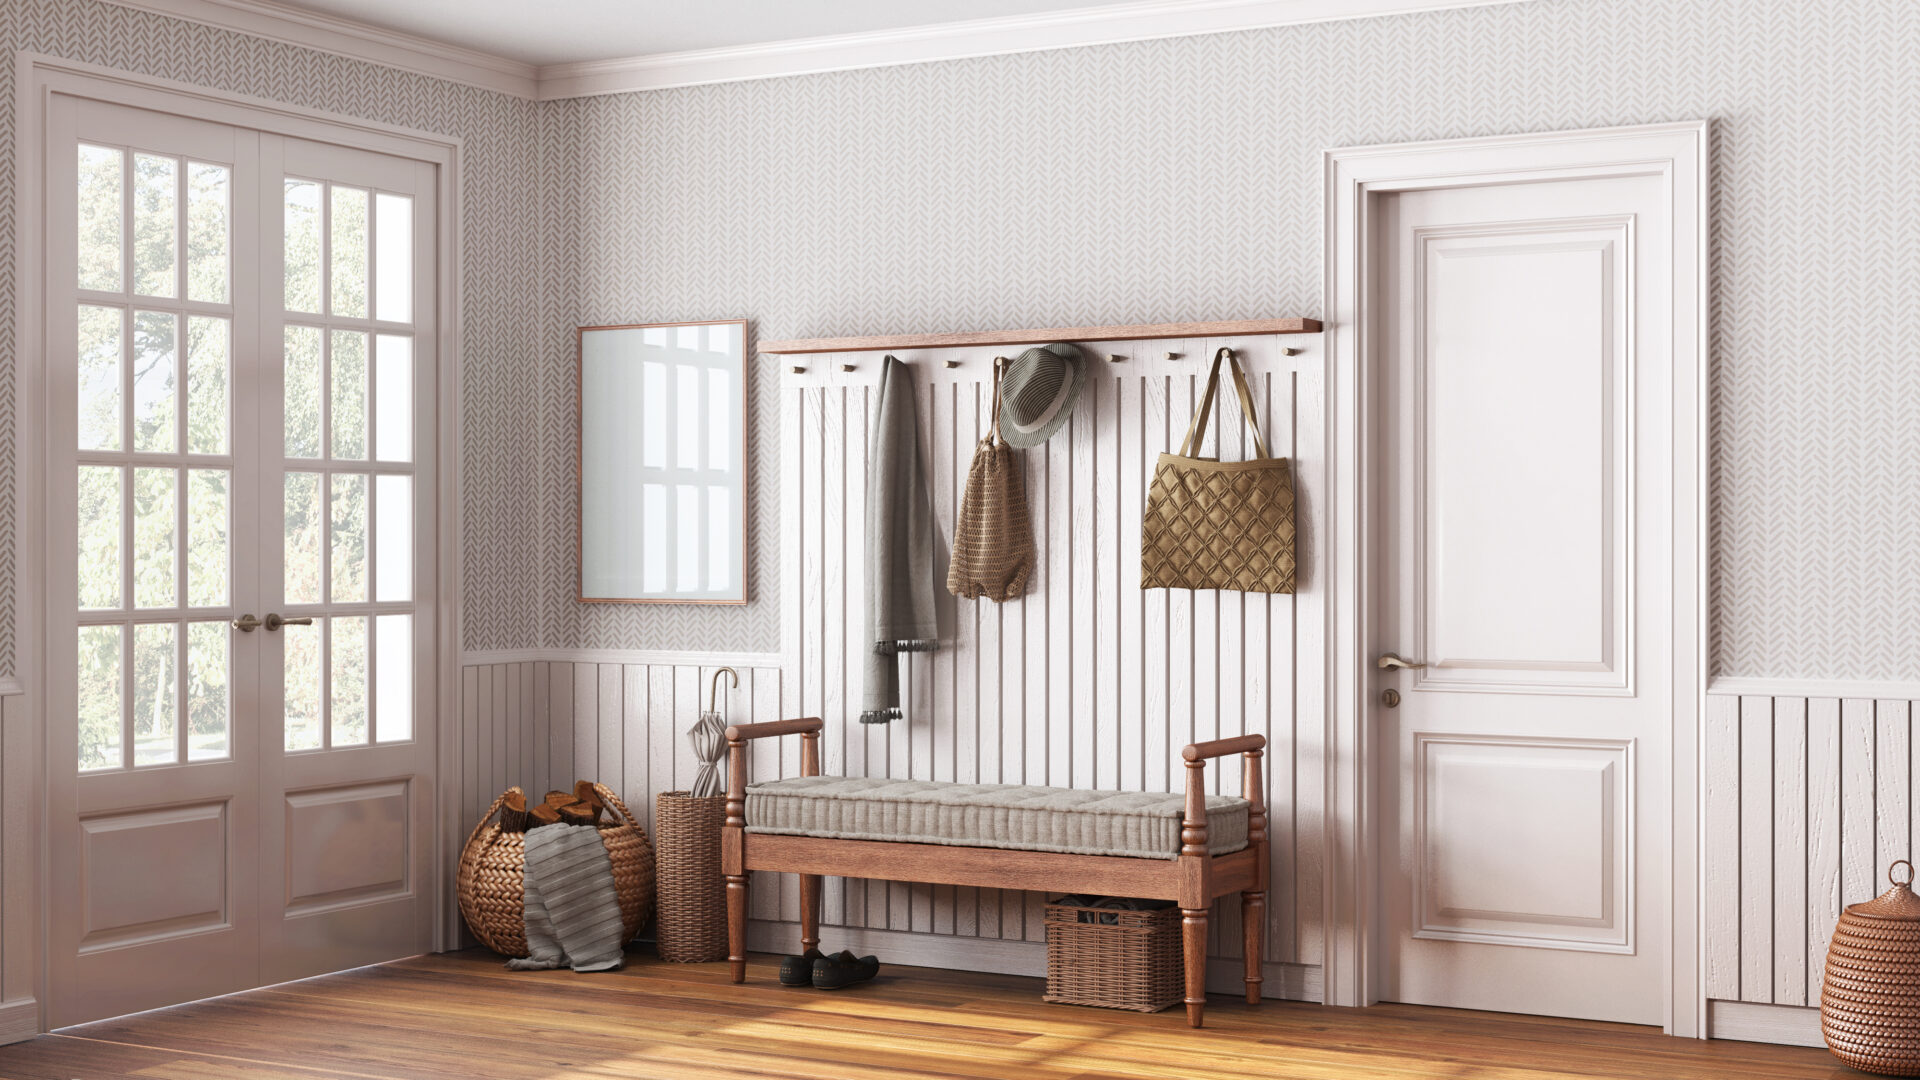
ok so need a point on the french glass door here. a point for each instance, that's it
(241, 329)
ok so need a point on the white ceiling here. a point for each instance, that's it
(564, 31)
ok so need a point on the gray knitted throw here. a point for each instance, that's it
(572, 910)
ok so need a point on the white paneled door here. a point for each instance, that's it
(1521, 672)
(240, 336)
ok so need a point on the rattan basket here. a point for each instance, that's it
(1870, 997)
(692, 927)
(493, 868)
(1120, 960)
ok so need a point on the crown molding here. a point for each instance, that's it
(354, 40)
(1141, 20)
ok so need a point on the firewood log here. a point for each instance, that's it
(584, 794)
(558, 799)
(577, 814)
(542, 815)
(513, 812)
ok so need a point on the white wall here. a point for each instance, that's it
(1087, 681)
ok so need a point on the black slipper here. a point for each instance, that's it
(843, 969)
(798, 970)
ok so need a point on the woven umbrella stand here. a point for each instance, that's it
(692, 926)
(1870, 997)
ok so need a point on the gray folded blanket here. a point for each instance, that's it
(572, 910)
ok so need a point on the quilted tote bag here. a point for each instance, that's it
(993, 550)
(1219, 524)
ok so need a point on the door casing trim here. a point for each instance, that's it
(1677, 152)
(23, 777)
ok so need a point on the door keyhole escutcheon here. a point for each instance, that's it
(1390, 698)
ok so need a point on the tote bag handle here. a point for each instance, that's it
(1197, 430)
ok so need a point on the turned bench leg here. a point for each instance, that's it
(1253, 920)
(809, 911)
(1193, 932)
(737, 925)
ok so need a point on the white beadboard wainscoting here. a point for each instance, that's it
(542, 723)
(1086, 682)
(1809, 799)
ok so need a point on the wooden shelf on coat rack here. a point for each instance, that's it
(1148, 332)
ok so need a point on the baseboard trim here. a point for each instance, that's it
(1750, 1021)
(1289, 982)
(11, 686)
(1898, 689)
(662, 657)
(19, 1020)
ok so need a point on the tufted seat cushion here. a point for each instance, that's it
(1144, 825)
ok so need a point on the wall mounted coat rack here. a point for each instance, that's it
(1145, 332)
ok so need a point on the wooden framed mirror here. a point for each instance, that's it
(662, 463)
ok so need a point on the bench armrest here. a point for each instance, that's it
(737, 737)
(1193, 821)
(1240, 744)
(771, 728)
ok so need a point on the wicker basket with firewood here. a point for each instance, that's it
(493, 865)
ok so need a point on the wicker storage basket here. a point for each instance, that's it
(493, 869)
(1116, 960)
(692, 926)
(1870, 997)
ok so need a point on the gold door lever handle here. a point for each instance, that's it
(246, 623)
(275, 621)
(1388, 661)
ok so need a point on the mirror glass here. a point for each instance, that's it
(663, 482)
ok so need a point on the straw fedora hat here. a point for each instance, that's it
(1038, 391)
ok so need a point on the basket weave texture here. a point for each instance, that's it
(693, 895)
(1131, 962)
(493, 871)
(1870, 995)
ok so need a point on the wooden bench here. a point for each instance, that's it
(1193, 879)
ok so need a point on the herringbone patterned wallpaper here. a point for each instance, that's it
(1180, 179)
(502, 313)
(1153, 181)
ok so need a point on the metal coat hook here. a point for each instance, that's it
(846, 367)
(1114, 358)
(953, 363)
(799, 370)
(1288, 350)
(1173, 356)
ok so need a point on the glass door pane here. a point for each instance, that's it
(152, 463)
(347, 478)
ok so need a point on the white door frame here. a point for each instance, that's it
(1677, 152)
(23, 851)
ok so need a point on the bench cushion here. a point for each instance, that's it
(1143, 825)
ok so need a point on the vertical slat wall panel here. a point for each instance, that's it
(1808, 799)
(1087, 681)
(543, 724)
(1756, 849)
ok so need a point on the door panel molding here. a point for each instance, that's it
(1595, 655)
(1462, 812)
(1675, 152)
(24, 861)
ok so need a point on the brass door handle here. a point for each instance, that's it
(246, 623)
(275, 621)
(1388, 661)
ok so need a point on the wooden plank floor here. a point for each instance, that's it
(462, 1016)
